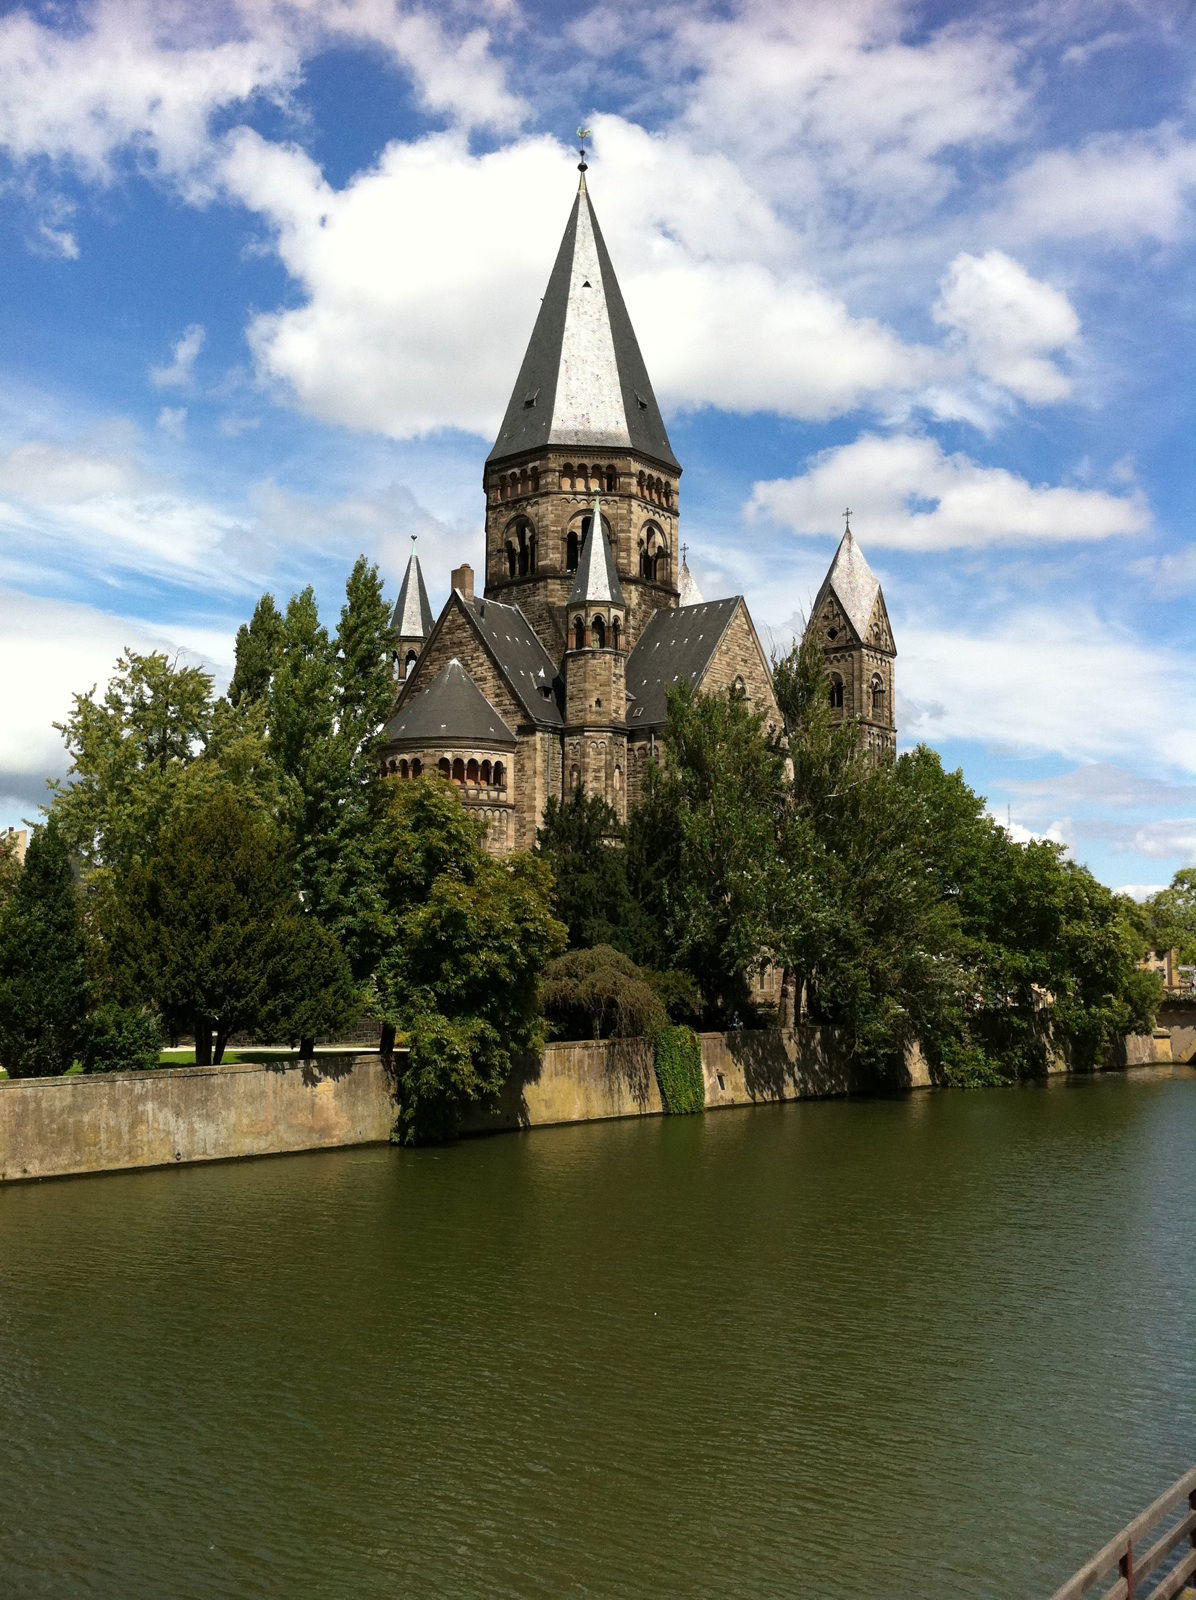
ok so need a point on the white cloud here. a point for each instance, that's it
(172, 421)
(907, 492)
(51, 650)
(1165, 838)
(1139, 891)
(1173, 573)
(1009, 323)
(58, 241)
(179, 372)
(1103, 784)
(1122, 188)
(1045, 681)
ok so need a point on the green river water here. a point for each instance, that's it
(941, 1345)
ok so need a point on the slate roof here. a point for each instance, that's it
(412, 617)
(677, 645)
(597, 576)
(528, 667)
(583, 380)
(451, 707)
(853, 583)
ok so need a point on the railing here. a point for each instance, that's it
(1125, 1555)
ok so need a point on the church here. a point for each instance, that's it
(552, 679)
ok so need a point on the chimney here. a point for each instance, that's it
(462, 581)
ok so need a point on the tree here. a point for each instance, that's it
(600, 993)
(459, 977)
(701, 844)
(581, 839)
(210, 928)
(1170, 917)
(43, 970)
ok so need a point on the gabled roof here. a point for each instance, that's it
(412, 618)
(583, 380)
(852, 582)
(676, 646)
(523, 660)
(597, 576)
(451, 707)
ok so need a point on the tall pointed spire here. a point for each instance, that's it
(412, 616)
(852, 582)
(583, 380)
(597, 576)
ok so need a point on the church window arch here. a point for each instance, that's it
(835, 692)
(579, 634)
(417, 768)
(472, 771)
(571, 550)
(409, 663)
(739, 688)
(618, 778)
(485, 773)
(500, 775)
(598, 633)
(523, 481)
(654, 554)
(878, 695)
(521, 547)
(616, 632)
(512, 559)
(575, 777)
(533, 479)
(567, 475)
(445, 767)
(458, 770)
(639, 483)
(612, 481)
(404, 770)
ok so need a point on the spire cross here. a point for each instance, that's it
(847, 520)
(684, 553)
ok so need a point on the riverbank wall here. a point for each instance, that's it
(60, 1127)
(57, 1127)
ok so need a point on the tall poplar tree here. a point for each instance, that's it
(43, 967)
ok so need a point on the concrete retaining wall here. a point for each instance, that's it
(50, 1127)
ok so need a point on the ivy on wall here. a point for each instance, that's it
(678, 1061)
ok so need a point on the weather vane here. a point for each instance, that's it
(583, 134)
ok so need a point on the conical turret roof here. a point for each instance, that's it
(412, 616)
(583, 381)
(597, 576)
(852, 582)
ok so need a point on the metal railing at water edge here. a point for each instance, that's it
(1133, 1559)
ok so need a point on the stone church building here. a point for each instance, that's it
(553, 678)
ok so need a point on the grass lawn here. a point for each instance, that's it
(186, 1057)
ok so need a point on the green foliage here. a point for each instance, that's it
(581, 839)
(701, 845)
(678, 1062)
(1170, 917)
(210, 930)
(600, 994)
(459, 976)
(122, 1039)
(43, 972)
(677, 993)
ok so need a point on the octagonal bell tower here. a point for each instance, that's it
(582, 420)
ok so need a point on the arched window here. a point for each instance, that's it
(500, 775)
(404, 770)
(878, 696)
(612, 481)
(458, 770)
(444, 767)
(639, 483)
(654, 555)
(836, 692)
(511, 560)
(615, 633)
(579, 634)
(485, 773)
(471, 772)
(567, 475)
(409, 663)
(533, 478)
(739, 688)
(598, 633)
(417, 767)
(575, 777)
(571, 548)
(523, 481)
(583, 476)
(618, 778)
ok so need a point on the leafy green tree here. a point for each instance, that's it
(43, 967)
(600, 993)
(1170, 917)
(258, 650)
(460, 975)
(121, 1039)
(210, 929)
(581, 839)
(701, 845)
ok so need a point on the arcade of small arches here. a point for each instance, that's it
(658, 490)
(469, 773)
(596, 479)
(653, 554)
(510, 485)
(840, 697)
(598, 636)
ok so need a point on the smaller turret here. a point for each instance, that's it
(411, 620)
(596, 671)
(851, 623)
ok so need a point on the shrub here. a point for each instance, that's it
(600, 994)
(678, 1060)
(121, 1039)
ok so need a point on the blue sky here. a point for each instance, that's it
(269, 270)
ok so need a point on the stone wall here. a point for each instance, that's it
(50, 1127)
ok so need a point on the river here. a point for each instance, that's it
(939, 1345)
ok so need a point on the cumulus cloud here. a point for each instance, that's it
(1009, 323)
(1124, 188)
(1102, 784)
(1163, 839)
(1042, 681)
(906, 491)
(179, 371)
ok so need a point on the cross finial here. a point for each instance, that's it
(847, 519)
(684, 553)
(583, 134)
